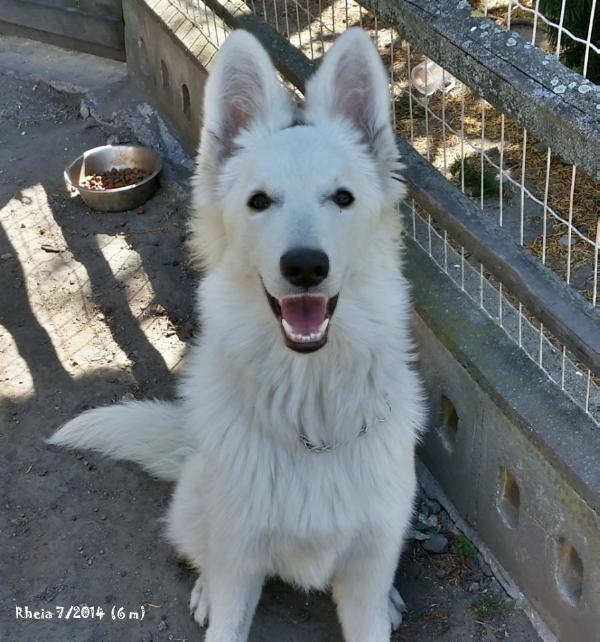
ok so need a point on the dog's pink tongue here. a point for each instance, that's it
(305, 314)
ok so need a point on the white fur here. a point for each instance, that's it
(251, 500)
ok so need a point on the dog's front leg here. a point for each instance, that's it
(368, 604)
(233, 599)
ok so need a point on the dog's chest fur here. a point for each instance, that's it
(299, 511)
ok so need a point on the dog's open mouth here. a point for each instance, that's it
(304, 319)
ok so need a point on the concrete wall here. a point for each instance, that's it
(167, 57)
(518, 460)
(541, 531)
(93, 26)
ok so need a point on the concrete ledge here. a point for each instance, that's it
(98, 31)
(514, 455)
(559, 429)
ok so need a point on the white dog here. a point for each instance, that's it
(293, 443)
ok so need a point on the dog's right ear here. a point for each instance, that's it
(242, 93)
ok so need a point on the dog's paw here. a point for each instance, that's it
(396, 608)
(199, 602)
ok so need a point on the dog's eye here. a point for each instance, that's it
(259, 201)
(343, 198)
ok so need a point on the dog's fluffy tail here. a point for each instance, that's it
(149, 433)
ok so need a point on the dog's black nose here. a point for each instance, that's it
(304, 267)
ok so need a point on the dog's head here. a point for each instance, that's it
(298, 205)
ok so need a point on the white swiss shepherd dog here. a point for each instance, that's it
(292, 443)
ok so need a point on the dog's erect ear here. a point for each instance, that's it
(352, 83)
(242, 92)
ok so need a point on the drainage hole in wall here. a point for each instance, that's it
(449, 427)
(185, 100)
(569, 575)
(164, 72)
(143, 57)
(509, 498)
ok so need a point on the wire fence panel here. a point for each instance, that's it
(569, 29)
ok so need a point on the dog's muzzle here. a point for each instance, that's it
(304, 319)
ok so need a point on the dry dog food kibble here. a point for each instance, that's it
(114, 178)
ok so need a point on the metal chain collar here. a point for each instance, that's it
(327, 448)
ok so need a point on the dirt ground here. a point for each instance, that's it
(98, 307)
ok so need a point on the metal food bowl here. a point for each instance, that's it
(103, 159)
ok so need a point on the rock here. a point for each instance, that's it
(425, 522)
(565, 241)
(580, 276)
(434, 507)
(432, 521)
(162, 625)
(113, 139)
(436, 544)
(417, 535)
(445, 520)
(84, 110)
(473, 587)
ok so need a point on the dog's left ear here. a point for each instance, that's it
(352, 83)
(242, 94)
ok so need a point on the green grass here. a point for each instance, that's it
(464, 548)
(491, 606)
(402, 106)
(491, 185)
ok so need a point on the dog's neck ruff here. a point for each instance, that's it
(327, 448)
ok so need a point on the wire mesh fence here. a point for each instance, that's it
(570, 29)
(547, 206)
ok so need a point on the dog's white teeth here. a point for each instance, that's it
(323, 327)
(287, 328)
(304, 338)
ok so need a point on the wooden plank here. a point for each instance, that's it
(551, 101)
